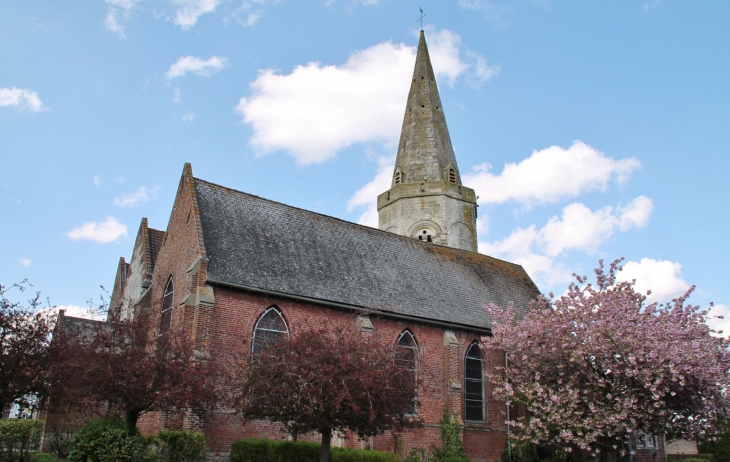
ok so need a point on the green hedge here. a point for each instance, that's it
(182, 446)
(106, 440)
(264, 450)
(18, 437)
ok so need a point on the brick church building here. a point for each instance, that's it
(232, 267)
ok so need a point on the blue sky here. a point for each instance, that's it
(590, 129)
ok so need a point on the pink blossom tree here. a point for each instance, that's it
(597, 364)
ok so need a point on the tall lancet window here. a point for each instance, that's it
(270, 329)
(166, 311)
(406, 355)
(475, 368)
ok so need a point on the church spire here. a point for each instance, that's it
(424, 150)
(426, 200)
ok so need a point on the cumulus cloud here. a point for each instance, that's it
(368, 194)
(25, 262)
(199, 66)
(550, 175)
(22, 98)
(188, 117)
(103, 232)
(187, 12)
(578, 228)
(76, 311)
(662, 277)
(118, 10)
(317, 110)
(136, 197)
(97, 180)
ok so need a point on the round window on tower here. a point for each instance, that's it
(426, 234)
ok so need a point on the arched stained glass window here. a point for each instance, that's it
(166, 310)
(406, 355)
(475, 368)
(270, 329)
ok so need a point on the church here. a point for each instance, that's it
(232, 268)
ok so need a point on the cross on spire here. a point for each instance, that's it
(422, 16)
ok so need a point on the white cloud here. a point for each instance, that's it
(118, 9)
(188, 11)
(317, 109)
(550, 175)
(368, 194)
(199, 66)
(651, 5)
(24, 99)
(662, 277)
(136, 197)
(579, 228)
(720, 324)
(490, 11)
(76, 311)
(107, 231)
(25, 262)
(188, 117)
(97, 180)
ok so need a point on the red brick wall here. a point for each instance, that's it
(227, 330)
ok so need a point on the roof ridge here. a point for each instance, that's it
(358, 225)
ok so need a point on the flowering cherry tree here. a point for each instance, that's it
(591, 367)
(327, 379)
(25, 332)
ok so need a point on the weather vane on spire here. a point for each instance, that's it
(422, 16)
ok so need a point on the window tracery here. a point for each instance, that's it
(270, 329)
(475, 368)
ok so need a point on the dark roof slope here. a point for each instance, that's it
(155, 238)
(259, 243)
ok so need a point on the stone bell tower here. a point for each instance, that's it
(426, 199)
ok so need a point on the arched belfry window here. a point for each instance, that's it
(270, 329)
(406, 355)
(475, 368)
(452, 175)
(397, 178)
(166, 310)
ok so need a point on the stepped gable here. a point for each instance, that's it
(256, 243)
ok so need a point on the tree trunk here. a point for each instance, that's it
(326, 443)
(131, 422)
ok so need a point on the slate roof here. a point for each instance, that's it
(155, 238)
(258, 243)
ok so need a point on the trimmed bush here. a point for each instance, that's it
(182, 446)
(354, 455)
(250, 450)
(106, 440)
(290, 451)
(263, 450)
(18, 437)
